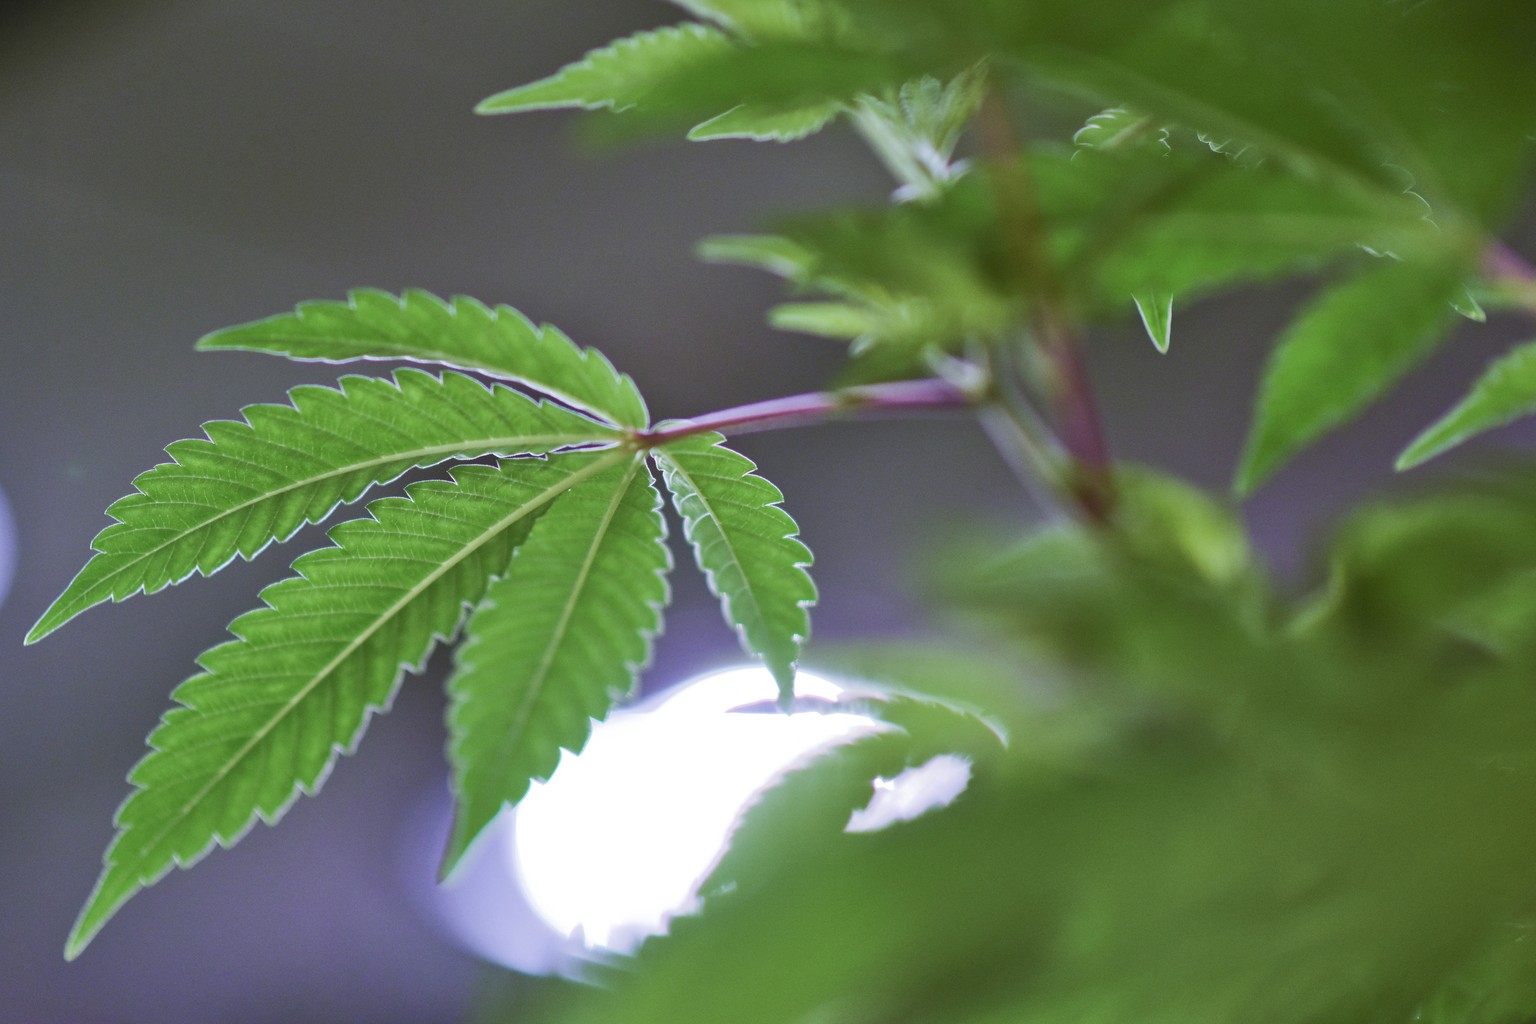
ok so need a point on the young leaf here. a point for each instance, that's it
(1156, 311)
(766, 124)
(556, 641)
(273, 708)
(617, 76)
(1118, 128)
(420, 327)
(256, 481)
(1506, 392)
(747, 547)
(842, 320)
(1343, 351)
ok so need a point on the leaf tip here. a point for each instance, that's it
(50, 620)
(105, 901)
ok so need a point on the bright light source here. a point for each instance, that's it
(619, 838)
(617, 841)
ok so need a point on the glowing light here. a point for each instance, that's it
(616, 843)
(618, 839)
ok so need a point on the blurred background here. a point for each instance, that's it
(168, 167)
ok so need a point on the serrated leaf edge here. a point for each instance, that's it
(91, 920)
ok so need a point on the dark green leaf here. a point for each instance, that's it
(556, 641)
(419, 327)
(274, 708)
(746, 546)
(260, 480)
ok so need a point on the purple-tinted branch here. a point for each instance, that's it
(1500, 262)
(816, 407)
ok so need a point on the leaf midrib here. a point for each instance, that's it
(430, 355)
(415, 591)
(541, 673)
(415, 455)
(709, 508)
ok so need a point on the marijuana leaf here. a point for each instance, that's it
(616, 76)
(464, 333)
(1505, 393)
(753, 122)
(273, 708)
(1344, 350)
(258, 481)
(746, 546)
(556, 641)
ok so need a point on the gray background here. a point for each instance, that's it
(168, 168)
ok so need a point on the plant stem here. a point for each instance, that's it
(932, 394)
(1088, 486)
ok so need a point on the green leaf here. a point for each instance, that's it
(842, 320)
(258, 481)
(1344, 350)
(1119, 128)
(1467, 305)
(273, 709)
(1156, 311)
(556, 641)
(420, 327)
(617, 76)
(754, 122)
(1141, 222)
(770, 19)
(809, 802)
(746, 546)
(773, 253)
(1505, 393)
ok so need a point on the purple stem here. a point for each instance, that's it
(814, 407)
(1500, 261)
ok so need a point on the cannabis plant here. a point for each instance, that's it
(1194, 795)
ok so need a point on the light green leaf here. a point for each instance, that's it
(747, 547)
(773, 253)
(842, 320)
(462, 332)
(1118, 128)
(1467, 305)
(766, 124)
(1505, 393)
(769, 19)
(1344, 350)
(617, 76)
(1156, 311)
(256, 481)
(556, 642)
(273, 709)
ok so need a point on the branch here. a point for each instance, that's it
(1090, 485)
(894, 398)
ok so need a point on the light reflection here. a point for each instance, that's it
(617, 842)
(619, 838)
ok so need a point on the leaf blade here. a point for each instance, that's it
(258, 480)
(463, 333)
(746, 546)
(554, 643)
(1156, 309)
(1345, 349)
(766, 124)
(616, 76)
(275, 707)
(1506, 392)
